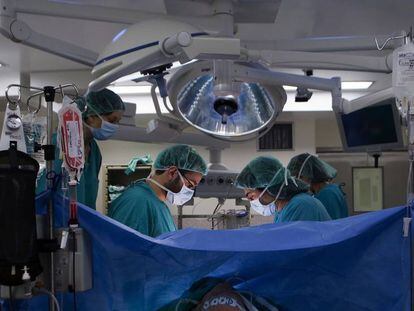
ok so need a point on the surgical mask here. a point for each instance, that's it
(264, 210)
(178, 198)
(106, 131)
(268, 209)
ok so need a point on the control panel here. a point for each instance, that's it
(219, 184)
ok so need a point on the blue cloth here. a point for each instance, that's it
(139, 208)
(302, 207)
(87, 188)
(334, 201)
(359, 263)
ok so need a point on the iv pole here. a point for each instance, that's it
(49, 93)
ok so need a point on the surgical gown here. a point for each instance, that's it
(140, 209)
(302, 207)
(87, 189)
(334, 201)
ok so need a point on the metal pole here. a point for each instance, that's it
(180, 217)
(215, 159)
(49, 93)
(410, 186)
(25, 81)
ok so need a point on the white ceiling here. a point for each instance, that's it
(290, 19)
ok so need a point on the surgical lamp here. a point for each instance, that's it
(227, 94)
(212, 97)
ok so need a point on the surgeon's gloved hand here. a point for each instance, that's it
(137, 160)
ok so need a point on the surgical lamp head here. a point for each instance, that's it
(215, 100)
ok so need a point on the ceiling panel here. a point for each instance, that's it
(292, 19)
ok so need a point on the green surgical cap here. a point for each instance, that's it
(294, 187)
(261, 173)
(183, 157)
(311, 167)
(99, 103)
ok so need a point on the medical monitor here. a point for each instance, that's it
(373, 128)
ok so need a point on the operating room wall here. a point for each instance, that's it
(395, 164)
(395, 174)
(326, 131)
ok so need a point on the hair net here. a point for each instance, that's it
(294, 187)
(101, 102)
(183, 157)
(311, 167)
(262, 172)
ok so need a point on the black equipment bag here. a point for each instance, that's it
(18, 173)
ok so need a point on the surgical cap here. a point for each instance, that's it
(262, 172)
(183, 157)
(99, 103)
(311, 167)
(294, 187)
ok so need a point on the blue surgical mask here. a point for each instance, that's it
(106, 131)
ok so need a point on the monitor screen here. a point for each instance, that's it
(372, 126)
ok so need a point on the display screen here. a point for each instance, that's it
(370, 126)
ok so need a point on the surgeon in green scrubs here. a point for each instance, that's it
(271, 190)
(318, 174)
(102, 112)
(176, 173)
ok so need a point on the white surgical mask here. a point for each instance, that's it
(265, 210)
(178, 198)
(268, 209)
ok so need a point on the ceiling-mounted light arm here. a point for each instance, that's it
(282, 78)
(171, 49)
(205, 48)
(150, 79)
(19, 31)
(177, 124)
(171, 46)
(293, 59)
(325, 44)
(332, 85)
(365, 101)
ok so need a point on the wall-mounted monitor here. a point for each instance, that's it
(373, 128)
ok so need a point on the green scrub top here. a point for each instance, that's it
(302, 207)
(334, 201)
(139, 208)
(87, 189)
